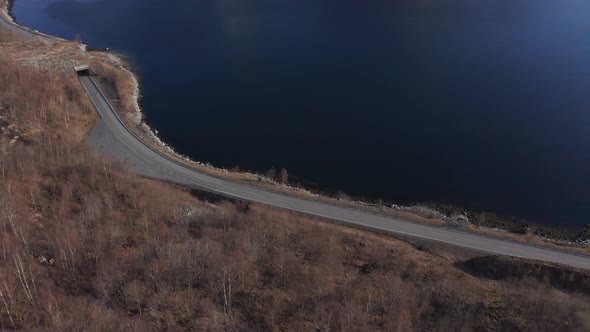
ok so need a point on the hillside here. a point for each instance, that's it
(87, 245)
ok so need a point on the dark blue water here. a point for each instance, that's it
(483, 104)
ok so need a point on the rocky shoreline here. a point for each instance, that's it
(513, 225)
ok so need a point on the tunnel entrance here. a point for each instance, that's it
(83, 70)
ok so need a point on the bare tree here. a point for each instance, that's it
(481, 219)
(271, 173)
(284, 176)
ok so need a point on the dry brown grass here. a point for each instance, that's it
(87, 245)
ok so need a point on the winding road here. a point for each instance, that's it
(114, 139)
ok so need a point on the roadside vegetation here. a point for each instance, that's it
(86, 245)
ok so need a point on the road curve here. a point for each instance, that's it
(113, 138)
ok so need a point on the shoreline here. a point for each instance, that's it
(139, 117)
(451, 216)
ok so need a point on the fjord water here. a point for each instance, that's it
(482, 104)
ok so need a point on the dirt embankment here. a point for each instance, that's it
(514, 269)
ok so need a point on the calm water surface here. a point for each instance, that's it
(483, 104)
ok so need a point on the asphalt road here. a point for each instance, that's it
(113, 138)
(9, 25)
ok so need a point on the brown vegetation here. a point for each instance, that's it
(86, 245)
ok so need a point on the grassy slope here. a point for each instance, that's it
(86, 245)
